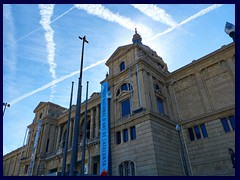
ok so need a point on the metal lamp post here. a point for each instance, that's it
(73, 162)
(5, 106)
(178, 128)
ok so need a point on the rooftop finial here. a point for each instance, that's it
(136, 38)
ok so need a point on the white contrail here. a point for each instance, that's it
(104, 13)
(61, 15)
(200, 13)
(156, 13)
(46, 11)
(52, 83)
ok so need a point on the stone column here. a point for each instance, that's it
(70, 133)
(28, 152)
(91, 123)
(153, 98)
(43, 143)
(58, 137)
(231, 66)
(97, 121)
(174, 105)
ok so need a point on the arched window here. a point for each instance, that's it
(160, 105)
(122, 66)
(127, 168)
(124, 87)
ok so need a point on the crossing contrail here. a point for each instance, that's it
(46, 12)
(41, 27)
(55, 81)
(200, 13)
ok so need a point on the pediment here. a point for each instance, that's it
(39, 106)
(118, 52)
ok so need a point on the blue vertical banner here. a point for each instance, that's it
(34, 148)
(104, 150)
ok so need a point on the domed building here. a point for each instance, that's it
(161, 123)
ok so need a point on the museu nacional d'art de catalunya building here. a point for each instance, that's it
(161, 123)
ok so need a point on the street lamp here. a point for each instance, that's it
(178, 128)
(230, 30)
(5, 105)
(109, 96)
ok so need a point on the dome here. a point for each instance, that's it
(136, 38)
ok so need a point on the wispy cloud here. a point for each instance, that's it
(200, 13)
(61, 15)
(156, 13)
(10, 60)
(46, 11)
(104, 13)
(9, 32)
(52, 83)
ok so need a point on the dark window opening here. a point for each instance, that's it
(225, 124)
(122, 66)
(232, 121)
(47, 145)
(26, 169)
(126, 169)
(124, 87)
(191, 134)
(118, 137)
(125, 135)
(125, 107)
(95, 168)
(133, 132)
(156, 87)
(197, 132)
(204, 130)
(160, 105)
(118, 92)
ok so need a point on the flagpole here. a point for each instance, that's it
(84, 133)
(67, 134)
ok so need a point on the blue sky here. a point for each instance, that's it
(42, 51)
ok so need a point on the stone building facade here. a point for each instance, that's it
(148, 102)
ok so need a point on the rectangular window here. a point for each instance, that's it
(160, 105)
(204, 130)
(26, 169)
(118, 137)
(191, 135)
(232, 121)
(133, 132)
(95, 168)
(225, 124)
(47, 145)
(125, 135)
(197, 132)
(125, 107)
